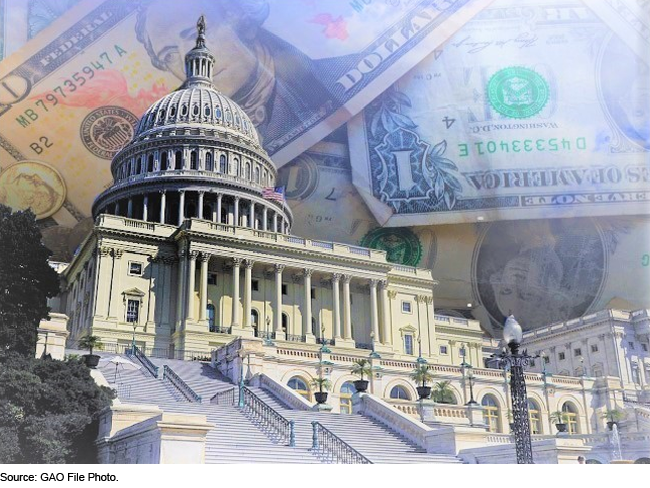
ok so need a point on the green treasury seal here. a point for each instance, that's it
(402, 246)
(517, 92)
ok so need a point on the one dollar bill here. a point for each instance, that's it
(534, 109)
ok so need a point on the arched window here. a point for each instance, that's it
(491, 413)
(178, 161)
(247, 171)
(399, 393)
(206, 110)
(285, 322)
(194, 160)
(210, 314)
(195, 110)
(347, 390)
(223, 164)
(256, 174)
(299, 386)
(184, 110)
(139, 167)
(571, 417)
(150, 164)
(534, 417)
(163, 160)
(236, 169)
(208, 162)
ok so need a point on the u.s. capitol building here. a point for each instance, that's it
(192, 258)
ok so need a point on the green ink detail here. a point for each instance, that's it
(517, 92)
(402, 246)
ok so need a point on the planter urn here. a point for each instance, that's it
(361, 385)
(91, 360)
(321, 397)
(560, 427)
(424, 392)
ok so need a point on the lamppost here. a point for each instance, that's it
(420, 359)
(374, 354)
(467, 367)
(241, 355)
(267, 334)
(134, 324)
(516, 361)
(323, 347)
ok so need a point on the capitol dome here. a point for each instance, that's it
(195, 154)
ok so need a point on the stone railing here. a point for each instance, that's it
(398, 421)
(435, 412)
(286, 395)
(178, 383)
(146, 362)
(297, 353)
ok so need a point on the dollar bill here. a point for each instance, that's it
(21, 20)
(299, 69)
(541, 271)
(534, 109)
(319, 191)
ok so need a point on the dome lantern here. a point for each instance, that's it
(199, 62)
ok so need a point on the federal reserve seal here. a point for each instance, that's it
(32, 184)
(106, 130)
(517, 92)
(402, 246)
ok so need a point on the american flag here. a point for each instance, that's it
(274, 193)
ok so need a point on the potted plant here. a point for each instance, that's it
(443, 393)
(323, 385)
(613, 417)
(560, 419)
(91, 342)
(361, 368)
(421, 376)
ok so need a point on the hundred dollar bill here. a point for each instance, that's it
(534, 109)
(541, 271)
(72, 96)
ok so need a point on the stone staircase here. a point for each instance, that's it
(237, 439)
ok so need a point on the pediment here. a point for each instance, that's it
(133, 292)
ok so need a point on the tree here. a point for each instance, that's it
(443, 393)
(26, 281)
(48, 410)
(90, 342)
(361, 368)
(422, 375)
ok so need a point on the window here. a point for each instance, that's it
(210, 314)
(577, 352)
(255, 285)
(163, 161)
(212, 278)
(255, 319)
(644, 347)
(533, 416)
(491, 413)
(547, 360)
(223, 165)
(571, 415)
(631, 344)
(399, 393)
(299, 386)
(594, 348)
(443, 349)
(406, 307)
(561, 356)
(532, 363)
(150, 164)
(208, 162)
(284, 289)
(135, 268)
(408, 344)
(193, 160)
(313, 293)
(347, 390)
(132, 311)
(285, 322)
(178, 160)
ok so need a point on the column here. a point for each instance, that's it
(251, 215)
(275, 222)
(248, 291)
(115, 291)
(277, 309)
(117, 208)
(205, 258)
(181, 282)
(154, 281)
(129, 208)
(181, 208)
(214, 212)
(145, 208)
(386, 325)
(347, 308)
(374, 322)
(306, 315)
(103, 280)
(236, 264)
(265, 213)
(191, 277)
(337, 305)
(219, 198)
(163, 204)
(200, 209)
(236, 223)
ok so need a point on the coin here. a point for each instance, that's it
(32, 184)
